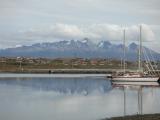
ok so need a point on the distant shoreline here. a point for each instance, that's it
(67, 71)
(64, 71)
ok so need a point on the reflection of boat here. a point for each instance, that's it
(138, 76)
(145, 84)
(138, 86)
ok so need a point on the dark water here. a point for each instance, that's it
(78, 98)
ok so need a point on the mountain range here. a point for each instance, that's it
(76, 48)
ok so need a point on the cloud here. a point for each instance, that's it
(77, 16)
(95, 32)
(147, 33)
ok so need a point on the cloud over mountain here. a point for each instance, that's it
(95, 32)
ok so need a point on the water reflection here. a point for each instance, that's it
(84, 85)
(137, 86)
(86, 98)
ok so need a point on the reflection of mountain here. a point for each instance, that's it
(75, 48)
(63, 85)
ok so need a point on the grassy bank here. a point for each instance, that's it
(137, 117)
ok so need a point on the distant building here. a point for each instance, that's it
(30, 61)
(93, 62)
(102, 63)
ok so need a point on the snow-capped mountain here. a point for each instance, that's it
(104, 44)
(76, 48)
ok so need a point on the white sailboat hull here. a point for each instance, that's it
(136, 79)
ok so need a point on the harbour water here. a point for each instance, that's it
(73, 97)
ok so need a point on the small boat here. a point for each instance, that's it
(138, 76)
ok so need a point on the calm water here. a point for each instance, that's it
(77, 97)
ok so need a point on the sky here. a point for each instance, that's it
(25, 22)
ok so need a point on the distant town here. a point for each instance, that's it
(29, 64)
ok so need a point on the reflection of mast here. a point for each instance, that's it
(140, 101)
(138, 86)
(124, 101)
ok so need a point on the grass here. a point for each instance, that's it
(137, 117)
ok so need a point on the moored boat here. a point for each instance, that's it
(138, 76)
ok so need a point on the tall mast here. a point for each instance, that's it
(140, 50)
(124, 51)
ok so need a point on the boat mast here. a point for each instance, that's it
(124, 51)
(140, 50)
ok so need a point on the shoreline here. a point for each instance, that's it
(64, 71)
(155, 116)
(19, 75)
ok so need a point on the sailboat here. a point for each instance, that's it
(138, 76)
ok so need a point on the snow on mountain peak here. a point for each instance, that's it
(101, 44)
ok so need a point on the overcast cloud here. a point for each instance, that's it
(95, 32)
(30, 21)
